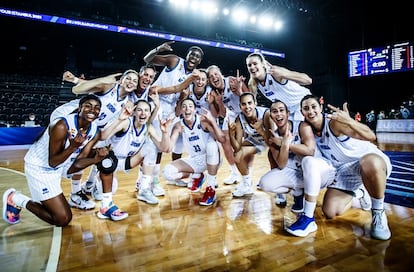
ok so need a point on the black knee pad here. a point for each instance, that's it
(108, 164)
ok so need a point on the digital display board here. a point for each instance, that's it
(381, 60)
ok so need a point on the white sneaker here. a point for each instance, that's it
(81, 201)
(364, 198)
(243, 189)
(147, 196)
(280, 200)
(157, 189)
(87, 187)
(97, 192)
(379, 225)
(233, 178)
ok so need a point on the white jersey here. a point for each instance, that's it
(344, 149)
(38, 153)
(195, 138)
(291, 93)
(250, 133)
(143, 96)
(294, 160)
(129, 142)
(111, 105)
(65, 109)
(230, 99)
(170, 77)
(200, 102)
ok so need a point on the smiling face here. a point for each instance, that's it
(312, 111)
(129, 81)
(215, 78)
(193, 59)
(188, 110)
(89, 109)
(248, 105)
(146, 78)
(279, 113)
(142, 112)
(256, 66)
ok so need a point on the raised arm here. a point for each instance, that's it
(96, 85)
(342, 124)
(162, 60)
(162, 144)
(210, 124)
(235, 134)
(282, 74)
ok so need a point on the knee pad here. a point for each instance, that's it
(213, 153)
(108, 164)
(170, 172)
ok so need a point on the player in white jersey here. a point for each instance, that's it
(292, 145)
(176, 70)
(278, 83)
(64, 148)
(247, 137)
(114, 94)
(225, 98)
(129, 137)
(347, 144)
(199, 91)
(199, 133)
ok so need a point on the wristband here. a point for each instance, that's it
(76, 80)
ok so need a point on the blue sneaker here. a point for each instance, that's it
(297, 206)
(303, 226)
(209, 197)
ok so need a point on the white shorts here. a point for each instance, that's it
(44, 183)
(348, 176)
(198, 163)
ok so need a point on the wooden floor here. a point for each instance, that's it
(179, 235)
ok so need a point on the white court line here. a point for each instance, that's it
(53, 259)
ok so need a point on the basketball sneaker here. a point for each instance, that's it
(209, 197)
(364, 198)
(81, 201)
(242, 189)
(111, 212)
(297, 206)
(197, 183)
(379, 225)
(233, 178)
(147, 196)
(280, 200)
(11, 211)
(157, 189)
(303, 226)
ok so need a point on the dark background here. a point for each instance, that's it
(315, 42)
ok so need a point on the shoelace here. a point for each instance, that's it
(83, 196)
(376, 219)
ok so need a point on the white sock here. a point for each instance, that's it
(76, 186)
(106, 200)
(234, 169)
(20, 199)
(247, 179)
(309, 208)
(211, 180)
(377, 204)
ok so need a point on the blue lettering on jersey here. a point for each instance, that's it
(135, 144)
(193, 138)
(324, 147)
(269, 93)
(111, 108)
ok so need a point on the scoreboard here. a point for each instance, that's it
(381, 60)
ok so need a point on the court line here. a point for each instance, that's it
(54, 254)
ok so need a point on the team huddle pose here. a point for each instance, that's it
(126, 120)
